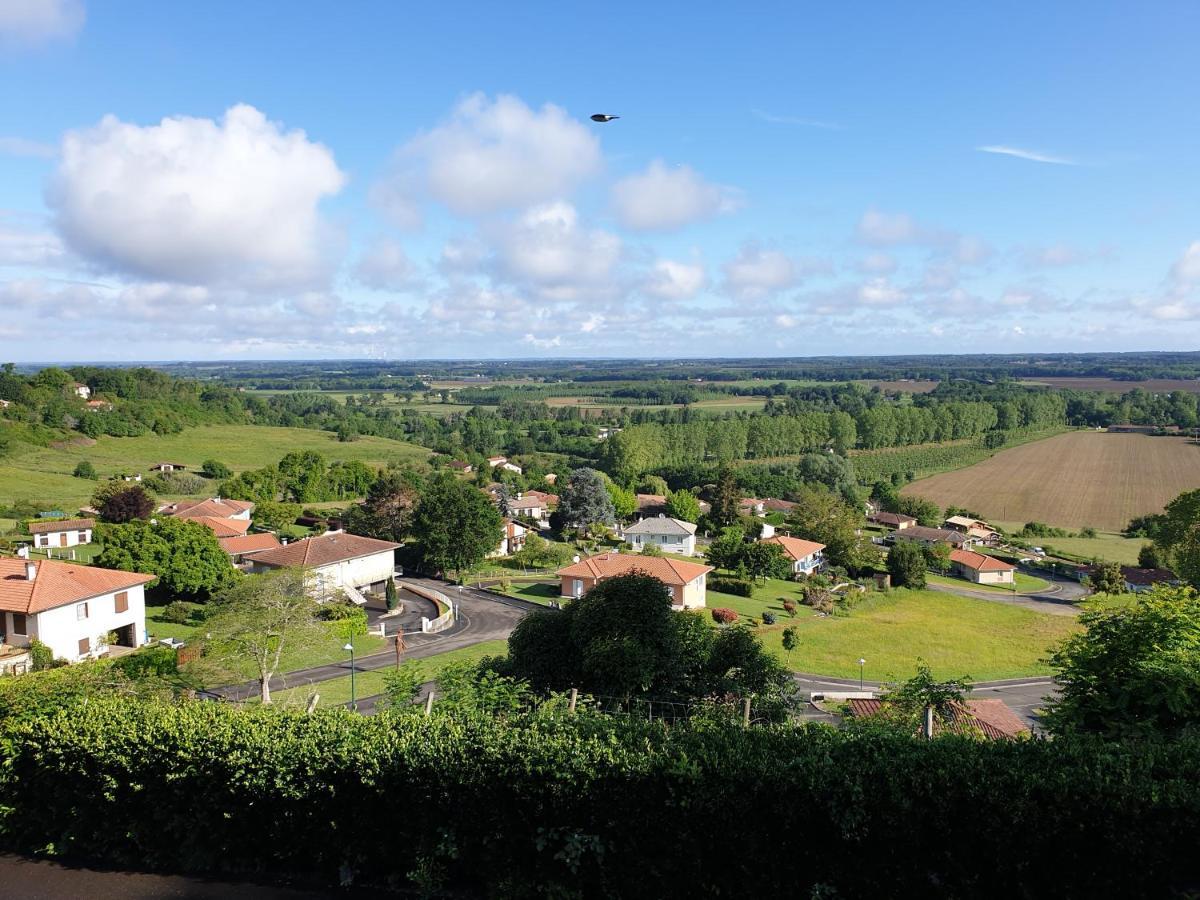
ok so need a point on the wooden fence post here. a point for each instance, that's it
(574, 698)
(429, 703)
(746, 713)
(312, 703)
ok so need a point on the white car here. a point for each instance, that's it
(1038, 550)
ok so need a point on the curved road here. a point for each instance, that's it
(1059, 599)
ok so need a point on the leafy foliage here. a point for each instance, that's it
(906, 564)
(185, 556)
(585, 500)
(119, 502)
(457, 524)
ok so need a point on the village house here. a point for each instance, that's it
(241, 547)
(651, 504)
(98, 405)
(457, 465)
(82, 391)
(806, 557)
(165, 467)
(973, 528)
(669, 535)
(529, 507)
(751, 506)
(550, 500)
(686, 581)
(981, 569)
(61, 533)
(216, 507)
(503, 463)
(928, 536)
(1137, 580)
(992, 719)
(512, 539)
(894, 521)
(338, 561)
(78, 611)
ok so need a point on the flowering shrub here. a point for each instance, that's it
(789, 607)
(768, 618)
(724, 616)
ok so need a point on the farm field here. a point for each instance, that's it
(435, 407)
(954, 635)
(903, 386)
(44, 473)
(1113, 386)
(718, 404)
(1072, 480)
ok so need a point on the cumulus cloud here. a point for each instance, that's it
(32, 23)
(661, 198)
(759, 272)
(1186, 270)
(386, 267)
(673, 280)
(882, 228)
(489, 156)
(196, 201)
(548, 249)
(880, 292)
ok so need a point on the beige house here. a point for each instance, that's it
(975, 529)
(806, 557)
(61, 533)
(242, 546)
(982, 569)
(79, 612)
(512, 539)
(686, 581)
(669, 535)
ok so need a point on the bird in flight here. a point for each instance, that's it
(603, 117)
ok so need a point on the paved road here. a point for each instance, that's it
(1023, 695)
(1059, 599)
(481, 617)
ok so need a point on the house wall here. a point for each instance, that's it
(671, 543)
(1005, 577)
(362, 572)
(60, 628)
(54, 539)
(809, 564)
(694, 593)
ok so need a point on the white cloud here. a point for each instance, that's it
(490, 156)
(1187, 268)
(673, 280)
(18, 146)
(197, 201)
(878, 264)
(31, 23)
(876, 227)
(662, 198)
(758, 272)
(29, 248)
(542, 343)
(549, 250)
(386, 267)
(1030, 155)
(880, 292)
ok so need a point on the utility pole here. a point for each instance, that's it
(400, 647)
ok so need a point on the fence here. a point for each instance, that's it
(442, 622)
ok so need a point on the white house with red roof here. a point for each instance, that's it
(77, 611)
(982, 569)
(61, 533)
(686, 581)
(512, 539)
(806, 557)
(337, 560)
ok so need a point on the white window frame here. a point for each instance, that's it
(81, 611)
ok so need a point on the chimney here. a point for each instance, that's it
(575, 558)
(30, 571)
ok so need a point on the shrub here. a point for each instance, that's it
(768, 618)
(390, 596)
(85, 470)
(1088, 532)
(789, 607)
(739, 587)
(722, 615)
(212, 468)
(176, 612)
(41, 657)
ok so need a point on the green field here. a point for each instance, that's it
(44, 473)
(1106, 545)
(336, 691)
(956, 636)
(1026, 584)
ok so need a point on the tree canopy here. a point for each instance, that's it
(585, 500)
(456, 523)
(185, 556)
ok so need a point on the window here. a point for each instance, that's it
(83, 538)
(43, 540)
(121, 602)
(81, 611)
(20, 626)
(85, 646)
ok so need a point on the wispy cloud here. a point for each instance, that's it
(16, 146)
(796, 120)
(1031, 155)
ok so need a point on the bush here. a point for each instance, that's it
(212, 468)
(41, 657)
(85, 470)
(724, 616)
(768, 618)
(176, 612)
(1087, 532)
(789, 607)
(286, 793)
(739, 587)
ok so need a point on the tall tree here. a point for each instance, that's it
(387, 513)
(185, 556)
(726, 498)
(119, 501)
(585, 500)
(1177, 536)
(456, 524)
(1107, 578)
(684, 506)
(906, 564)
(259, 618)
(828, 519)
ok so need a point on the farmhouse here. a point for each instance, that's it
(806, 557)
(669, 535)
(167, 467)
(1137, 580)
(61, 533)
(512, 539)
(686, 581)
(551, 500)
(503, 463)
(974, 528)
(927, 536)
(239, 547)
(528, 506)
(980, 568)
(991, 718)
(81, 391)
(338, 560)
(77, 611)
(98, 405)
(894, 521)
(459, 466)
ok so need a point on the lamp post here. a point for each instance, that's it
(353, 699)
(861, 662)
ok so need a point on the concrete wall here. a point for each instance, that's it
(61, 629)
(357, 573)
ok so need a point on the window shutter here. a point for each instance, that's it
(85, 646)
(20, 625)
(121, 602)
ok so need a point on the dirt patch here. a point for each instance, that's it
(73, 442)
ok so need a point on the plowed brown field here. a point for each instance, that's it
(1072, 480)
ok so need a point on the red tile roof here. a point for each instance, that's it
(548, 499)
(610, 565)
(992, 718)
(889, 518)
(249, 543)
(323, 550)
(217, 507)
(221, 527)
(795, 548)
(57, 584)
(980, 562)
(57, 525)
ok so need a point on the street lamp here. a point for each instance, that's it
(353, 699)
(861, 662)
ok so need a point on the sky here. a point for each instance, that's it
(302, 179)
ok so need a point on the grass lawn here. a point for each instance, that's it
(44, 473)
(1106, 545)
(1026, 584)
(336, 691)
(954, 635)
(537, 592)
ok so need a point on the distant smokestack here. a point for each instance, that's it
(31, 571)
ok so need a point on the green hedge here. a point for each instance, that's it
(594, 807)
(739, 587)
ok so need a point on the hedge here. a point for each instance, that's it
(739, 587)
(593, 807)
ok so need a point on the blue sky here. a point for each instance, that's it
(310, 179)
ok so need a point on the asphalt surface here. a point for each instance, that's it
(481, 617)
(1059, 599)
